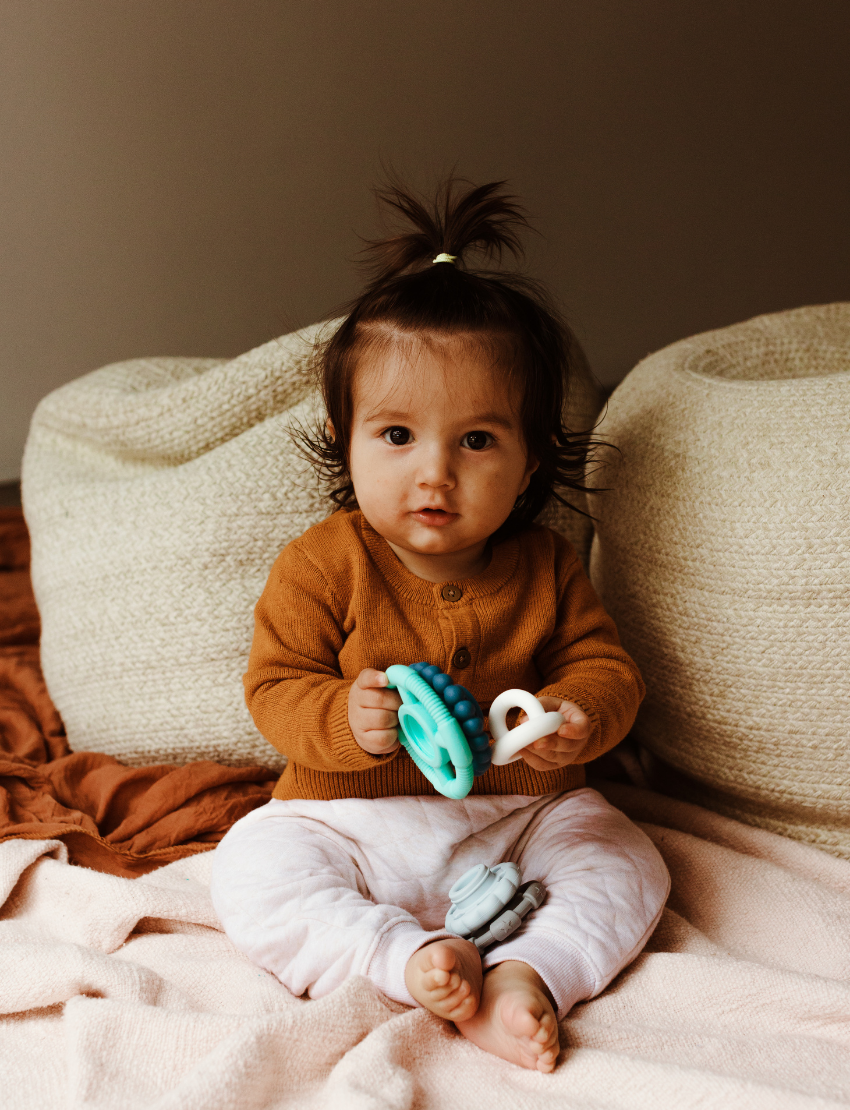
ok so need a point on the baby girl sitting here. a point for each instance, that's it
(444, 441)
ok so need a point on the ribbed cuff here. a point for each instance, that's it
(398, 776)
(563, 969)
(344, 748)
(396, 944)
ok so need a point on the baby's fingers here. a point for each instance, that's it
(555, 744)
(378, 719)
(576, 724)
(371, 678)
(379, 741)
(371, 694)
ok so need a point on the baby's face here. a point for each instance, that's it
(437, 454)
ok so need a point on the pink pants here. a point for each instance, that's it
(318, 891)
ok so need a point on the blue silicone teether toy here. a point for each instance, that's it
(441, 726)
(465, 710)
(488, 903)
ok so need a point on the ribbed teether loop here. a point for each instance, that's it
(465, 710)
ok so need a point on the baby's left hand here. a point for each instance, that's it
(559, 748)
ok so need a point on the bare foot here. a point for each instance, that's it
(516, 1019)
(445, 977)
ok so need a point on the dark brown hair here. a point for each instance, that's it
(409, 293)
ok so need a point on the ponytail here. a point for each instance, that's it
(481, 219)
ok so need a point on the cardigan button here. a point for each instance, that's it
(451, 592)
(461, 659)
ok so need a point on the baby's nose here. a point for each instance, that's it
(436, 469)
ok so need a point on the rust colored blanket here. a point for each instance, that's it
(123, 820)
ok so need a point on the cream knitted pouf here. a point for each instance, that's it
(723, 554)
(158, 493)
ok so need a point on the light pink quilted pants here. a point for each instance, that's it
(318, 891)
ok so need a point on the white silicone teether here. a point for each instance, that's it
(510, 742)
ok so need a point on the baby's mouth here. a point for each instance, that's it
(435, 517)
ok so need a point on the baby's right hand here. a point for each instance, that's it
(372, 712)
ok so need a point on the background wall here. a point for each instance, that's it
(191, 176)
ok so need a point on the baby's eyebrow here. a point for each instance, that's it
(387, 416)
(396, 416)
(496, 418)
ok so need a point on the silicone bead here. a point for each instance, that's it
(473, 726)
(480, 762)
(464, 710)
(441, 681)
(479, 743)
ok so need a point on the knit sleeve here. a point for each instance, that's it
(584, 661)
(293, 686)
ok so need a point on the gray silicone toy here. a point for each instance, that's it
(488, 903)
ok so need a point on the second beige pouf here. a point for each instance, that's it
(723, 554)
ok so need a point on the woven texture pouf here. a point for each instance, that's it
(723, 554)
(158, 493)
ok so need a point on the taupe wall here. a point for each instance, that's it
(190, 176)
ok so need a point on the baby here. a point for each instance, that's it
(444, 441)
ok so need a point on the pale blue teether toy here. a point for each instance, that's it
(488, 903)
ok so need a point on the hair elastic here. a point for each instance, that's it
(445, 258)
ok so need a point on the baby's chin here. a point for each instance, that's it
(431, 539)
(417, 532)
(440, 558)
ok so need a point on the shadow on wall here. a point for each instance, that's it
(10, 495)
(192, 178)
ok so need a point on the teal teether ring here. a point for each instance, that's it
(465, 710)
(432, 736)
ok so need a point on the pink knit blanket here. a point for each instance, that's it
(124, 993)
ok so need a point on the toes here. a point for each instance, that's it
(459, 1005)
(442, 981)
(463, 1011)
(546, 1031)
(546, 1060)
(436, 978)
(540, 1061)
(446, 993)
(457, 997)
(442, 956)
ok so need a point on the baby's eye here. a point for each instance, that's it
(476, 441)
(397, 436)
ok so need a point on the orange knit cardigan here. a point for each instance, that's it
(338, 600)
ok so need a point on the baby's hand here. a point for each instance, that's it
(561, 747)
(372, 712)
